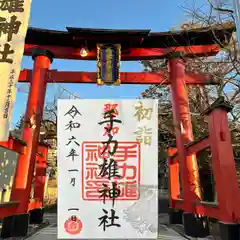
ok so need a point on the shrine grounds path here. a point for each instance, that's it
(166, 231)
(50, 232)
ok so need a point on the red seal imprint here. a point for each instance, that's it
(73, 225)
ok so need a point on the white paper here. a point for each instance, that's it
(137, 210)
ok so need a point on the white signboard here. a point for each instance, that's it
(14, 18)
(108, 169)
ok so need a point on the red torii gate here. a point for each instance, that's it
(44, 45)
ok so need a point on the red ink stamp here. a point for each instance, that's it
(127, 157)
(73, 225)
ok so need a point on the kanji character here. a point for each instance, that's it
(73, 209)
(114, 131)
(109, 169)
(4, 54)
(107, 145)
(73, 139)
(107, 192)
(9, 28)
(12, 5)
(73, 181)
(143, 113)
(108, 107)
(104, 219)
(73, 112)
(72, 125)
(111, 120)
(73, 170)
(144, 135)
(72, 154)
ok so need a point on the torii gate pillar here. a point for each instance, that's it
(22, 185)
(183, 130)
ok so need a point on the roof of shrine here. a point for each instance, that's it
(75, 37)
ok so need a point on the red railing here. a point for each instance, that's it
(8, 209)
(223, 165)
(11, 208)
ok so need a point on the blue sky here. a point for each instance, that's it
(157, 15)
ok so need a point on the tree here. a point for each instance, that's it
(18, 130)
